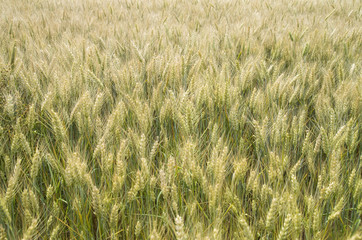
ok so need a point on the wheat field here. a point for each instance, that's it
(180, 119)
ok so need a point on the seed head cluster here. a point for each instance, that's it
(178, 119)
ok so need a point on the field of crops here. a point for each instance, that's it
(180, 119)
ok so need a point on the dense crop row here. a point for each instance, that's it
(180, 119)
